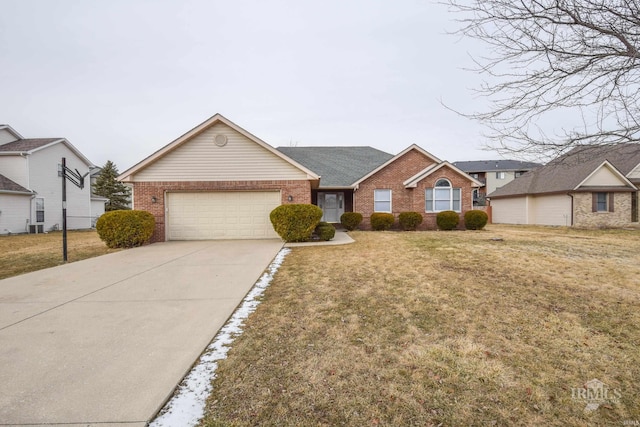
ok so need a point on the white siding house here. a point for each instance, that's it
(33, 166)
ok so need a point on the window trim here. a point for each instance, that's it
(430, 197)
(608, 202)
(38, 220)
(376, 200)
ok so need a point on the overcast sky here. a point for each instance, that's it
(122, 78)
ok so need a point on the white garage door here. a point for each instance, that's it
(221, 215)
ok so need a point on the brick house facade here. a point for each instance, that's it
(219, 181)
(407, 196)
(230, 179)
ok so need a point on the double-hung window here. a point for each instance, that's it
(442, 197)
(382, 201)
(602, 202)
(39, 209)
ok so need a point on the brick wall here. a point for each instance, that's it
(413, 199)
(583, 215)
(143, 192)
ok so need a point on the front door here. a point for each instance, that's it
(332, 205)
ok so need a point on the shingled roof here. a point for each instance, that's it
(7, 185)
(338, 167)
(27, 144)
(568, 171)
(495, 165)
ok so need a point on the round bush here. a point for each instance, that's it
(125, 228)
(409, 221)
(475, 219)
(351, 220)
(447, 220)
(382, 221)
(325, 231)
(295, 222)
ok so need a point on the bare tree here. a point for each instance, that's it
(556, 58)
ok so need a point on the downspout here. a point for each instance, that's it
(571, 195)
(354, 198)
(30, 219)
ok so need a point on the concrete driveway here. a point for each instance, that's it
(106, 340)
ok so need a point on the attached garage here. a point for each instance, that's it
(221, 215)
(217, 181)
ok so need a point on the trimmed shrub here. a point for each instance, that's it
(447, 220)
(409, 221)
(351, 220)
(325, 231)
(475, 219)
(381, 221)
(125, 228)
(295, 222)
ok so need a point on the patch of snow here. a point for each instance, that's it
(186, 407)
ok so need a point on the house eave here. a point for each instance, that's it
(605, 189)
(20, 193)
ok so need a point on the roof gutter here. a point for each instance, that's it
(26, 193)
(14, 153)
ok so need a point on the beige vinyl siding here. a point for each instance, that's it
(512, 210)
(551, 210)
(603, 177)
(200, 159)
(635, 173)
(221, 215)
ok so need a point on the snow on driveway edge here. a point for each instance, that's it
(186, 407)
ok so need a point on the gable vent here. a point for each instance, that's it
(220, 140)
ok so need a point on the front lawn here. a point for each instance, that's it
(23, 253)
(443, 328)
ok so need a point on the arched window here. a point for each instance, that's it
(442, 197)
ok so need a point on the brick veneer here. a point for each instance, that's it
(583, 215)
(409, 199)
(144, 191)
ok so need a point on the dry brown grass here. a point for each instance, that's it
(23, 253)
(441, 328)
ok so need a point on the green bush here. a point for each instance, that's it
(409, 221)
(125, 228)
(295, 222)
(447, 220)
(351, 220)
(382, 221)
(475, 219)
(325, 231)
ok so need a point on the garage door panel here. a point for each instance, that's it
(221, 215)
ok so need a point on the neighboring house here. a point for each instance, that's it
(31, 189)
(218, 181)
(494, 174)
(591, 186)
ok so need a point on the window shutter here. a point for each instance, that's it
(611, 202)
(594, 202)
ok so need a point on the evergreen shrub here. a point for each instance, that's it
(125, 228)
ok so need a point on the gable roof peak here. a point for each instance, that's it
(12, 131)
(201, 128)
